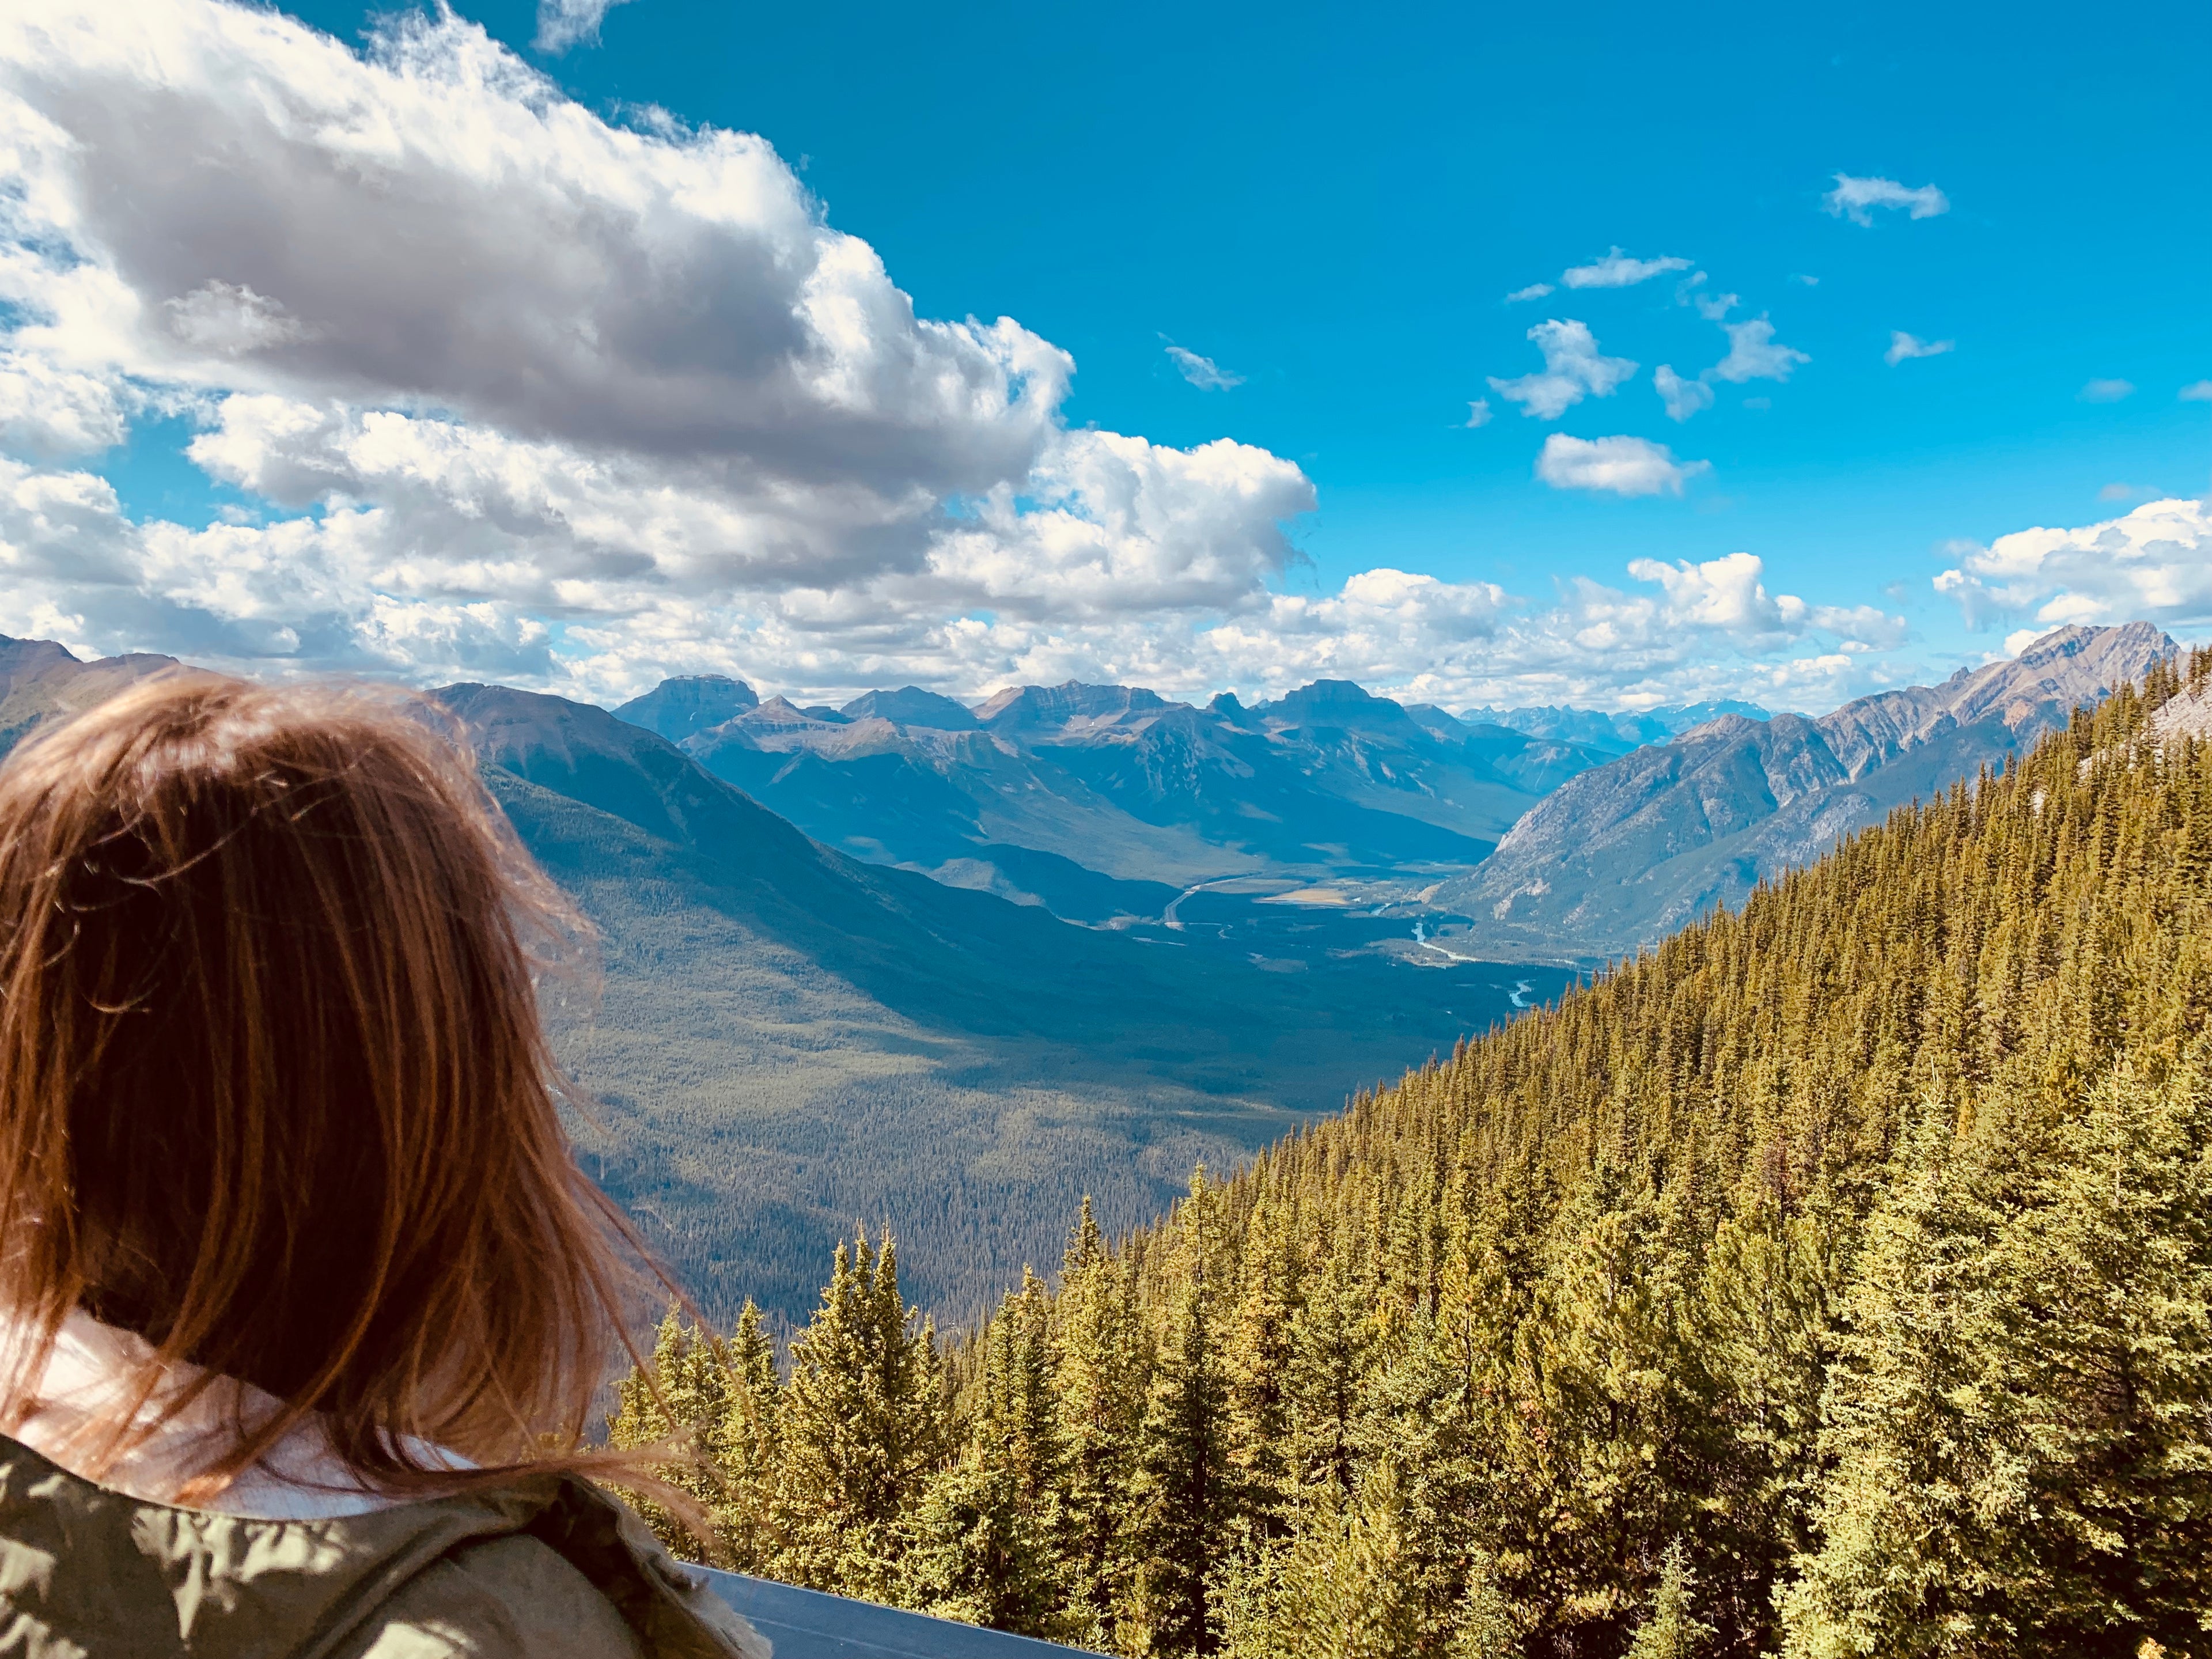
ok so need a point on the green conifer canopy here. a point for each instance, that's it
(1834, 1279)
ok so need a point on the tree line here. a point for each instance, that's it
(1834, 1279)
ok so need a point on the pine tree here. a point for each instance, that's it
(2098, 1372)
(862, 1424)
(1672, 1630)
(1183, 1486)
(980, 1547)
(1101, 1376)
(677, 1402)
(1897, 1571)
(748, 1448)
(1341, 1588)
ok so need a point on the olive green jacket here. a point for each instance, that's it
(548, 1567)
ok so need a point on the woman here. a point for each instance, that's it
(303, 1301)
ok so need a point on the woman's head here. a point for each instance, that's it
(273, 1089)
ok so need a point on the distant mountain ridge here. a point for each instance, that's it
(1619, 732)
(1626, 853)
(1039, 793)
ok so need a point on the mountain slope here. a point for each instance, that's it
(1832, 1280)
(788, 1039)
(39, 679)
(679, 709)
(791, 1039)
(1626, 853)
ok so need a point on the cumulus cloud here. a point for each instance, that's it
(1533, 291)
(1730, 595)
(513, 392)
(1619, 270)
(1753, 354)
(1617, 465)
(1857, 199)
(535, 384)
(1904, 347)
(1478, 412)
(2154, 564)
(1683, 397)
(2105, 392)
(563, 23)
(1573, 369)
(46, 410)
(435, 225)
(1690, 629)
(1202, 372)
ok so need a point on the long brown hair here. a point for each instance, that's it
(274, 1089)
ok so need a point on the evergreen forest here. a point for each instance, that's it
(1833, 1279)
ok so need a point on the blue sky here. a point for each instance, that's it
(1331, 207)
(1333, 204)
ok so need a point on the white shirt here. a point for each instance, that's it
(300, 1478)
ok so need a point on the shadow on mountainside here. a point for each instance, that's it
(791, 1040)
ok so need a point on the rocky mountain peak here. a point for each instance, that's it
(1017, 706)
(690, 703)
(912, 706)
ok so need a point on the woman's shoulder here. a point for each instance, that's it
(505, 1597)
(545, 1567)
(573, 1574)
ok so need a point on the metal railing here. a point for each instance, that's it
(804, 1624)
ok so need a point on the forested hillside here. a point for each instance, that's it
(1833, 1279)
(1623, 854)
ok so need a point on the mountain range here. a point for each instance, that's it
(1544, 834)
(1625, 854)
(1101, 801)
(841, 980)
(788, 1040)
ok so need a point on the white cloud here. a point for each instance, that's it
(1478, 412)
(1809, 282)
(2155, 563)
(1533, 291)
(46, 410)
(1702, 629)
(580, 400)
(1617, 465)
(563, 23)
(1617, 269)
(1856, 198)
(1754, 356)
(514, 393)
(1904, 347)
(1573, 368)
(1714, 306)
(2105, 392)
(1683, 397)
(1202, 372)
(2197, 392)
(1730, 595)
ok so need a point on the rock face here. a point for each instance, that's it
(679, 707)
(1626, 853)
(912, 706)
